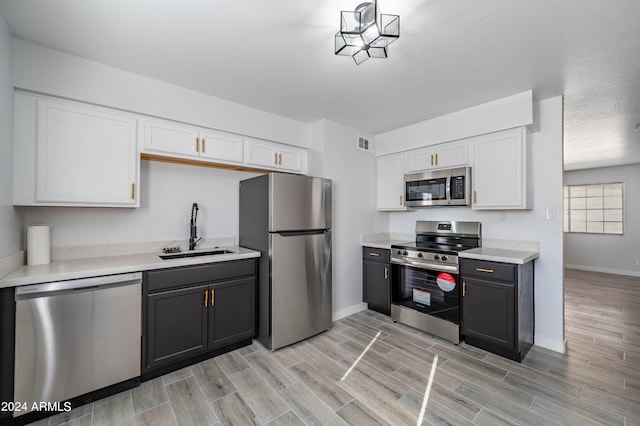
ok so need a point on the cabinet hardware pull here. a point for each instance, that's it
(374, 254)
(275, 158)
(212, 298)
(206, 297)
(475, 198)
(133, 191)
(432, 159)
(464, 288)
(280, 159)
(386, 273)
(197, 144)
(490, 271)
(401, 200)
(203, 149)
(436, 159)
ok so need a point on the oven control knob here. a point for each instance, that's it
(399, 252)
(405, 253)
(420, 255)
(436, 257)
(444, 258)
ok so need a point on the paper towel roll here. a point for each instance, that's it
(38, 249)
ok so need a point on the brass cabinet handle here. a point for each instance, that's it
(436, 159)
(197, 144)
(280, 159)
(133, 191)
(203, 149)
(490, 271)
(386, 273)
(212, 298)
(374, 254)
(275, 158)
(401, 200)
(464, 288)
(475, 198)
(432, 159)
(206, 297)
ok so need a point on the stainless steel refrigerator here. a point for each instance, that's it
(288, 218)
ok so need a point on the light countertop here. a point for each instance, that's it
(385, 240)
(109, 265)
(494, 254)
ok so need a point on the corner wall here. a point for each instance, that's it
(354, 208)
(10, 222)
(616, 254)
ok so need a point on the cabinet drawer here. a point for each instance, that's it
(189, 275)
(489, 270)
(375, 254)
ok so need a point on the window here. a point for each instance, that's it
(595, 209)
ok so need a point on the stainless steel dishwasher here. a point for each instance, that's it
(77, 336)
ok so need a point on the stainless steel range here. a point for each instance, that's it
(425, 284)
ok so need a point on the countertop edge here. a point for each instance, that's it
(111, 265)
(518, 257)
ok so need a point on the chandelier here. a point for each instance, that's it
(365, 33)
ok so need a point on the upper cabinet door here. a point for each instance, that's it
(171, 138)
(275, 156)
(500, 170)
(260, 153)
(390, 182)
(84, 155)
(221, 146)
(450, 154)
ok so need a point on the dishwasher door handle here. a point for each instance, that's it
(39, 290)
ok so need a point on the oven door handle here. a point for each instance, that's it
(421, 265)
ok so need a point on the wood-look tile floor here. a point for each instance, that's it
(319, 382)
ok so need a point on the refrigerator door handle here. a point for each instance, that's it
(299, 233)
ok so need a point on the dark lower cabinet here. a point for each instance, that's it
(376, 279)
(177, 322)
(195, 312)
(497, 307)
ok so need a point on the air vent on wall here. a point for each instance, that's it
(364, 144)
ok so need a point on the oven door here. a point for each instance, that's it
(435, 293)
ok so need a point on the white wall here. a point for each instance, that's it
(167, 192)
(53, 72)
(529, 225)
(618, 254)
(354, 209)
(10, 222)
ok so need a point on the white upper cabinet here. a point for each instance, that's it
(499, 169)
(444, 155)
(275, 156)
(390, 182)
(181, 140)
(72, 154)
(221, 146)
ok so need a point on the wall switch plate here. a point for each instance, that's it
(550, 214)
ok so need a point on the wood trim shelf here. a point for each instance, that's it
(199, 163)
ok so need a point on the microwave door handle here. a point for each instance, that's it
(448, 189)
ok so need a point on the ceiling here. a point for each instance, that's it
(277, 56)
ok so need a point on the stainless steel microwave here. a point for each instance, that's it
(446, 187)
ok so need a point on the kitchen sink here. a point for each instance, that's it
(180, 255)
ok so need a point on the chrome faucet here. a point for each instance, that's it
(193, 236)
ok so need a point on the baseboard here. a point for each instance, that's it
(604, 270)
(11, 263)
(552, 345)
(349, 311)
